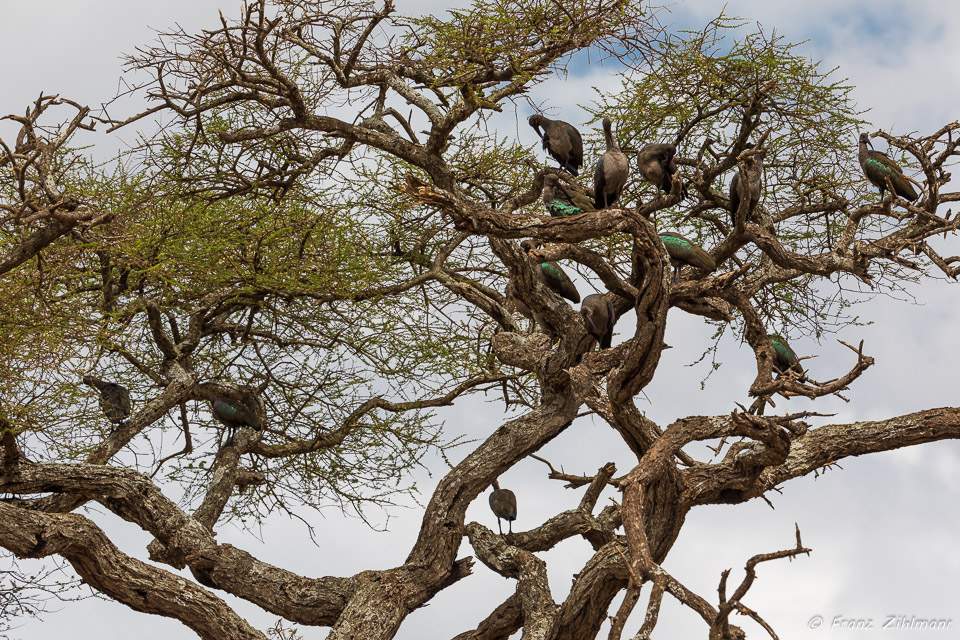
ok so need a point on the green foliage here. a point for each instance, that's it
(711, 92)
(267, 239)
(467, 44)
(297, 292)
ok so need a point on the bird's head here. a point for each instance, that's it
(530, 245)
(865, 139)
(754, 157)
(535, 120)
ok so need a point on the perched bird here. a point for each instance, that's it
(114, 399)
(599, 317)
(553, 276)
(784, 358)
(752, 185)
(561, 140)
(234, 414)
(515, 302)
(611, 173)
(503, 503)
(878, 167)
(683, 251)
(563, 200)
(657, 165)
(558, 281)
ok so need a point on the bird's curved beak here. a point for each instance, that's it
(590, 320)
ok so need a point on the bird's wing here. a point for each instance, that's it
(599, 185)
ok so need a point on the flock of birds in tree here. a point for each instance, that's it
(565, 144)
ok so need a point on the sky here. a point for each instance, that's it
(882, 528)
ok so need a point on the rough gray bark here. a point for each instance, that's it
(33, 534)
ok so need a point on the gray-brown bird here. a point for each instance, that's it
(749, 184)
(561, 140)
(599, 317)
(503, 503)
(658, 167)
(114, 399)
(611, 173)
(515, 302)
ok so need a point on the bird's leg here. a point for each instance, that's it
(116, 427)
(499, 525)
(510, 528)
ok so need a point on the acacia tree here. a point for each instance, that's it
(323, 226)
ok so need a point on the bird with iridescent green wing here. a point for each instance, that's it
(784, 357)
(683, 251)
(879, 168)
(564, 200)
(553, 276)
(558, 281)
(234, 414)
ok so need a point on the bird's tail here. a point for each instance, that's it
(703, 259)
(904, 188)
